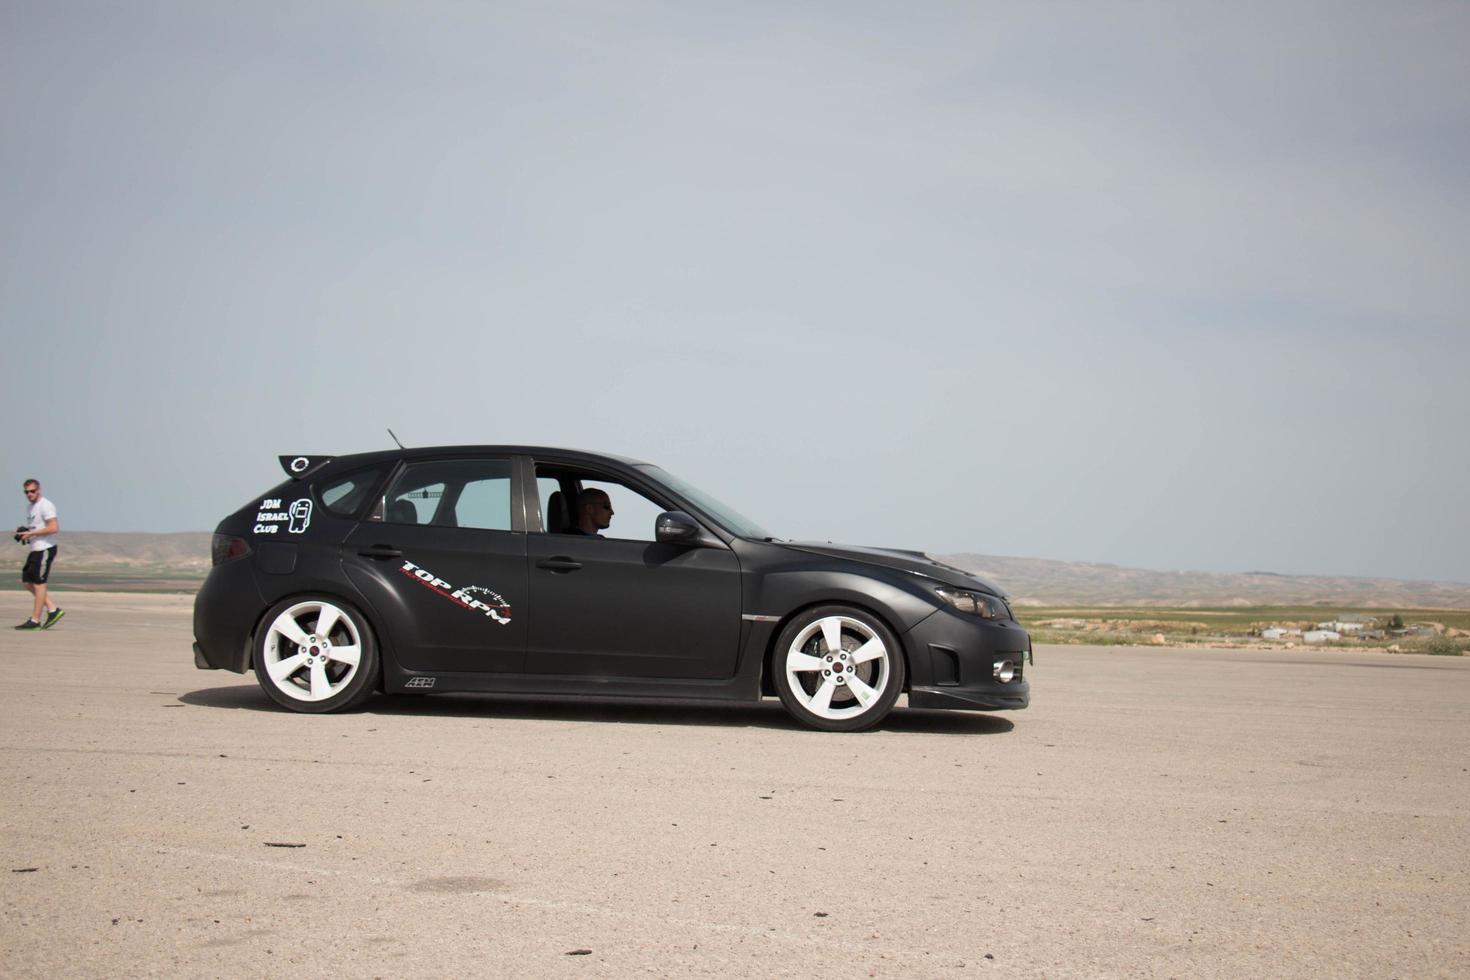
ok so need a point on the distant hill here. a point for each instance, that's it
(178, 562)
(186, 550)
(103, 561)
(1045, 582)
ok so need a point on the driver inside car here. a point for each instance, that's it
(594, 513)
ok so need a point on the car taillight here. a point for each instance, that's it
(225, 547)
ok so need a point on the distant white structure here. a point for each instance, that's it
(1319, 636)
(1274, 633)
(1343, 626)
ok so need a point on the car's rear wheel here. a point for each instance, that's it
(315, 654)
(838, 669)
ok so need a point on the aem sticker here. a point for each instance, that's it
(492, 605)
(420, 682)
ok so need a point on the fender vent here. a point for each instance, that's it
(946, 665)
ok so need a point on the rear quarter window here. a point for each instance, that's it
(346, 494)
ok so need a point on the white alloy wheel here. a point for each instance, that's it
(839, 669)
(313, 655)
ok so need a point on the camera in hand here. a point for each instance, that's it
(17, 533)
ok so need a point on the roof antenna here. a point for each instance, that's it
(395, 439)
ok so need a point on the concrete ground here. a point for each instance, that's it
(1156, 812)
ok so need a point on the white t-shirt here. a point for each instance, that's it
(42, 511)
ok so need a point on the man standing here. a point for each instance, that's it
(41, 536)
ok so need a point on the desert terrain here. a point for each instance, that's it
(1156, 812)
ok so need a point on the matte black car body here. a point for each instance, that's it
(521, 610)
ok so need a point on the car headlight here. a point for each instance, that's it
(978, 603)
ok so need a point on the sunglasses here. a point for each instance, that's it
(29, 492)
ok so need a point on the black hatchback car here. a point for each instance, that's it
(523, 570)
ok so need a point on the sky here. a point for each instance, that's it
(1167, 285)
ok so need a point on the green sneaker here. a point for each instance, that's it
(54, 617)
(29, 624)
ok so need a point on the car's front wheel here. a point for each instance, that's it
(838, 669)
(315, 655)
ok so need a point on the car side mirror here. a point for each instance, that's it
(677, 527)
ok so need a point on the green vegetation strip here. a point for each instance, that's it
(145, 579)
(1242, 626)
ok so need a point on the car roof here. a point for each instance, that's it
(419, 452)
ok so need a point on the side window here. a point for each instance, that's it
(344, 495)
(633, 514)
(452, 493)
(485, 503)
(632, 517)
(413, 505)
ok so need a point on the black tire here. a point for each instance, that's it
(831, 689)
(301, 672)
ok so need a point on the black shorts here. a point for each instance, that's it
(38, 566)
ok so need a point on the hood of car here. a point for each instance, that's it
(914, 562)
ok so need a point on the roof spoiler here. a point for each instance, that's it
(298, 467)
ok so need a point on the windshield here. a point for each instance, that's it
(732, 521)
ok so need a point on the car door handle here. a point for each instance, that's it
(559, 564)
(381, 551)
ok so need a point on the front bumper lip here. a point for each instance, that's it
(1005, 697)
